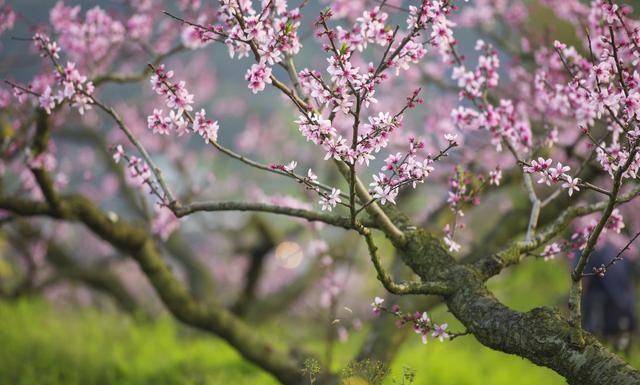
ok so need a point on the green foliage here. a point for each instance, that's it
(372, 372)
(45, 346)
(311, 370)
(40, 345)
(407, 378)
(465, 361)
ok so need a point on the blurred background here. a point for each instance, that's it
(89, 316)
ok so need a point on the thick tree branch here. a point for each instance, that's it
(134, 241)
(541, 335)
(401, 288)
(514, 253)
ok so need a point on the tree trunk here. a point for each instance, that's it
(541, 335)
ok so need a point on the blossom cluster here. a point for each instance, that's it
(69, 85)
(140, 26)
(328, 200)
(176, 94)
(410, 168)
(320, 131)
(580, 237)
(258, 76)
(7, 17)
(348, 81)
(351, 88)
(139, 171)
(485, 76)
(180, 103)
(87, 41)
(369, 28)
(603, 87)
(555, 174)
(273, 31)
(165, 221)
(406, 169)
(421, 322)
(505, 121)
(435, 12)
(270, 34)
(549, 174)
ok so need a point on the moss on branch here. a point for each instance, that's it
(541, 335)
(133, 240)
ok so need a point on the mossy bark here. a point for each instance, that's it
(134, 241)
(541, 335)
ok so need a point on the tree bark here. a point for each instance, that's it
(134, 241)
(541, 335)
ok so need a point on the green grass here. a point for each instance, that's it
(464, 361)
(45, 345)
(40, 345)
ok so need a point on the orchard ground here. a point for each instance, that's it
(68, 345)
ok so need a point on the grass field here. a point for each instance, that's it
(43, 345)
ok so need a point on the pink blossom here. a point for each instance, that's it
(550, 251)
(615, 222)
(47, 101)
(87, 41)
(158, 123)
(139, 26)
(118, 153)
(329, 201)
(258, 76)
(495, 176)
(204, 127)
(440, 332)
(376, 305)
(164, 223)
(571, 184)
(384, 194)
